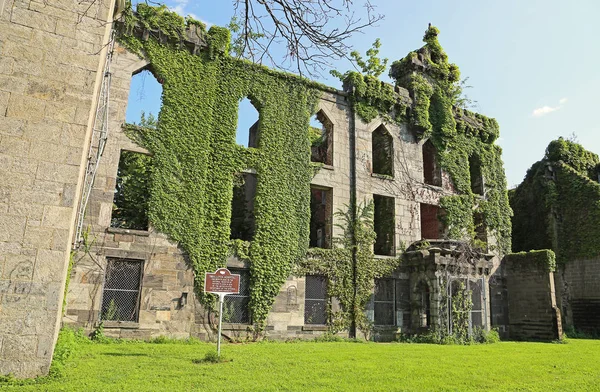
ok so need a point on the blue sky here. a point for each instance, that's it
(533, 65)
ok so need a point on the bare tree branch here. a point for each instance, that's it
(312, 32)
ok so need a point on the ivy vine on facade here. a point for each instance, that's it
(315, 218)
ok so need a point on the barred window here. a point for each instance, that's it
(235, 306)
(315, 300)
(121, 295)
(384, 302)
(391, 302)
(477, 313)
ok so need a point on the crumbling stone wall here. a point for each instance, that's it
(50, 54)
(532, 310)
(578, 294)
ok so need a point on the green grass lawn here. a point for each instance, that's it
(336, 366)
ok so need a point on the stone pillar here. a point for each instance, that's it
(532, 310)
(51, 53)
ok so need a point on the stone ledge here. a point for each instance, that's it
(314, 328)
(118, 230)
(382, 176)
(235, 327)
(121, 325)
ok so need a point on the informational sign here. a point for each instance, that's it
(222, 281)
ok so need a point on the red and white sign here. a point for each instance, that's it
(221, 282)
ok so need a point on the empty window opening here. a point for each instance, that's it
(476, 177)
(431, 225)
(247, 126)
(480, 231)
(432, 173)
(242, 225)
(121, 294)
(321, 210)
(321, 136)
(315, 300)
(423, 305)
(132, 191)
(391, 302)
(383, 152)
(235, 306)
(384, 222)
(145, 97)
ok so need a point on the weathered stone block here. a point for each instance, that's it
(57, 217)
(21, 106)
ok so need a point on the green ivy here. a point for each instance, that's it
(557, 204)
(456, 133)
(351, 268)
(195, 156)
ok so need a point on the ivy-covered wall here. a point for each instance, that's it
(195, 159)
(557, 206)
(457, 134)
(195, 156)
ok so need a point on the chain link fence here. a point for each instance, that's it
(315, 300)
(121, 295)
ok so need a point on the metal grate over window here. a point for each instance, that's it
(121, 295)
(315, 300)
(391, 302)
(235, 306)
(384, 302)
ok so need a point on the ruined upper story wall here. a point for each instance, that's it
(50, 53)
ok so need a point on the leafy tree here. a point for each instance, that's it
(373, 65)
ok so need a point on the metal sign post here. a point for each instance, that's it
(221, 282)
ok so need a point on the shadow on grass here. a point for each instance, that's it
(125, 355)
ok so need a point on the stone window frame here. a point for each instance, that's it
(392, 252)
(330, 214)
(386, 133)
(111, 228)
(123, 257)
(228, 324)
(329, 127)
(324, 300)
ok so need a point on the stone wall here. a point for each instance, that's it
(578, 289)
(532, 310)
(50, 54)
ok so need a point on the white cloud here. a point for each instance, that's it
(539, 112)
(542, 111)
(181, 8)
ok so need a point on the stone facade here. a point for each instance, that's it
(50, 55)
(578, 294)
(51, 60)
(532, 310)
(167, 277)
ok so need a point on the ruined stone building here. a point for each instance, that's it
(556, 207)
(374, 220)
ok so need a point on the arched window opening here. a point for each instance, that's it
(477, 185)
(145, 99)
(321, 136)
(247, 126)
(321, 212)
(432, 173)
(383, 152)
(242, 225)
(424, 306)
